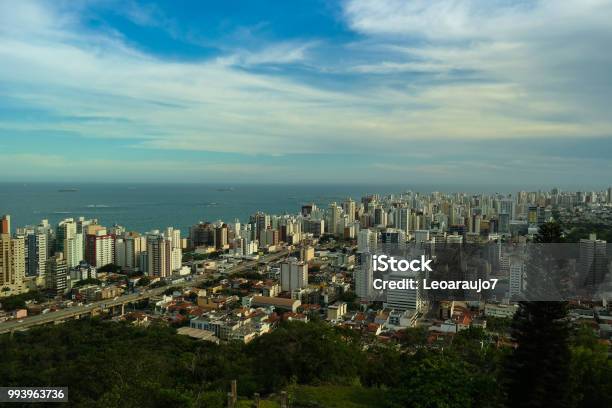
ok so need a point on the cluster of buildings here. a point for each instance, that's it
(54, 258)
(335, 246)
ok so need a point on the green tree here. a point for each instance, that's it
(591, 370)
(537, 371)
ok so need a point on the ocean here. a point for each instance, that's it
(144, 207)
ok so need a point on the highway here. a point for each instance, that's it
(76, 311)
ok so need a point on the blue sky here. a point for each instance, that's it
(423, 91)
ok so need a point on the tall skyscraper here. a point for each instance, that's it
(517, 269)
(294, 275)
(221, 242)
(12, 265)
(402, 219)
(335, 213)
(37, 253)
(261, 222)
(162, 257)
(5, 224)
(364, 277)
(174, 252)
(69, 242)
(156, 255)
(349, 209)
(593, 260)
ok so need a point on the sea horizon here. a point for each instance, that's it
(142, 206)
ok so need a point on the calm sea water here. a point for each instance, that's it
(143, 207)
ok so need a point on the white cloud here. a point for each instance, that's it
(550, 53)
(528, 66)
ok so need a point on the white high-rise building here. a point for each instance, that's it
(99, 248)
(517, 270)
(349, 209)
(73, 250)
(364, 277)
(367, 241)
(404, 299)
(294, 275)
(70, 242)
(175, 252)
(128, 249)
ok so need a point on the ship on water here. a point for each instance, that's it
(68, 190)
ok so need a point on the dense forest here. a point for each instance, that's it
(107, 364)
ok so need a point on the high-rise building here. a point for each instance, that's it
(69, 242)
(156, 255)
(5, 224)
(402, 219)
(261, 222)
(221, 237)
(335, 212)
(202, 234)
(294, 275)
(37, 253)
(316, 227)
(174, 251)
(128, 249)
(517, 270)
(269, 237)
(99, 247)
(593, 261)
(12, 265)
(57, 273)
(404, 299)
(506, 206)
(307, 209)
(349, 209)
(367, 241)
(380, 216)
(163, 256)
(364, 277)
(536, 215)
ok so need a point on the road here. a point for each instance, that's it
(69, 313)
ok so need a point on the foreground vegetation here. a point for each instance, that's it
(109, 364)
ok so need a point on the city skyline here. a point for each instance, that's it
(328, 92)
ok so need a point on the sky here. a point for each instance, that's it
(307, 91)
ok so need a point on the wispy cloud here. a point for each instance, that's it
(440, 72)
